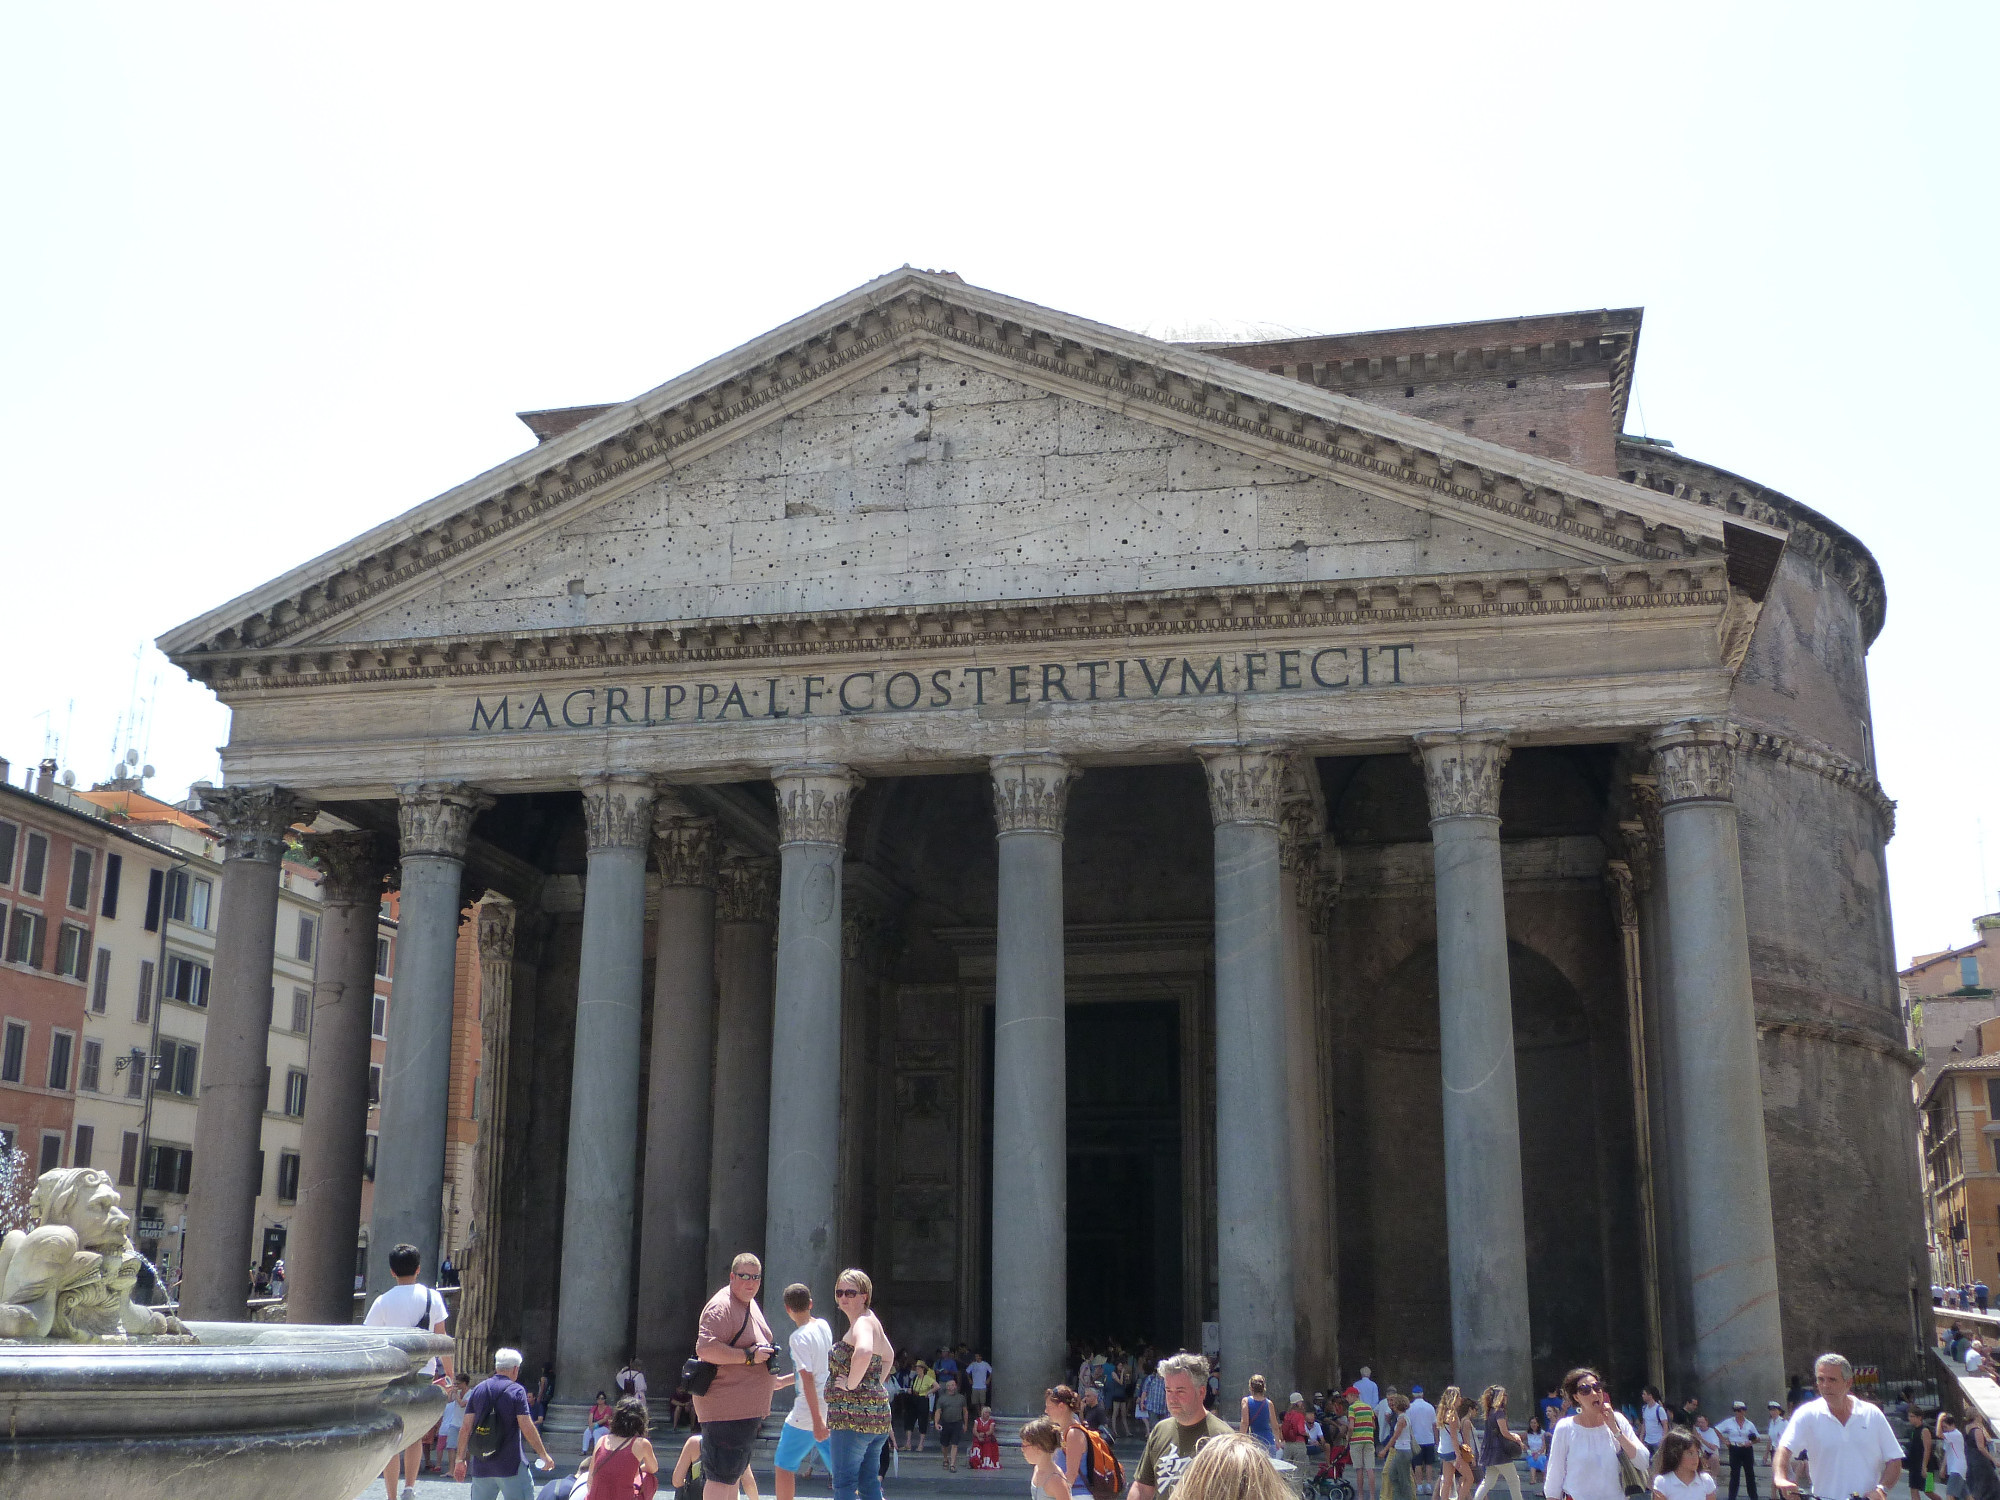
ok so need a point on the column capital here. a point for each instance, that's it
(618, 809)
(435, 817)
(1619, 880)
(352, 864)
(1299, 835)
(1462, 770)
(1245, 782)
(685, 847)
(496, 931)
(254, 821)
(1694, 761)
(746, 890)
(814, 798)
(1031, 791)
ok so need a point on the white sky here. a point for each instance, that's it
(275, 273)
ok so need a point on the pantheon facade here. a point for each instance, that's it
(1327, 848)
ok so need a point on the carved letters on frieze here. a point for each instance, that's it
(1462, 771)
(1031, 791)
(254, 822)
(435, 817)
(813, 802)
(618, 810)
(1694, 761)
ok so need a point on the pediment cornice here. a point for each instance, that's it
(1378, 451)
(1391, 603)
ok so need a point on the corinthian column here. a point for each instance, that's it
(673, 1225)
(319, 1249)
(1030, 1171)
(253, 822)
(480, 1275)
(1486, 1226)
(1252, 1124)
(1712, 1070)
(1300, 834)
(601, 1178)
(746, 914)
(802, 1194)
(435, 821)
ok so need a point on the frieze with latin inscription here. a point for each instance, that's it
(1013, 685)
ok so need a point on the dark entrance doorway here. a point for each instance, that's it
(1124, 1128)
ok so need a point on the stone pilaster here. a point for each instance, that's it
(746, 917)
(434, 820)
(600, 1183)
(1254, 1206)
(479, 1276)
(673, 1218)
(802, 1192)
(1030, 1193)
(1486, 1223)
(320, 1248)
(253, 823)
(1713, 1075)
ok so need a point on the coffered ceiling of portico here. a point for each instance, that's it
(921, 445)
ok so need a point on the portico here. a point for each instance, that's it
(1019, 807)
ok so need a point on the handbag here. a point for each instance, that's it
(1631, 1478)
(698, 1374)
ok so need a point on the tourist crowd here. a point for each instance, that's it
(860, 1402)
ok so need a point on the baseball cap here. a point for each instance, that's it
(1352, 1390)
(1416, 1390)
(1298, 1396)
(1775, 1405)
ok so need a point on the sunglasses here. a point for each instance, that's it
(847, 1291)
(748, 1275)
(1588, 1388)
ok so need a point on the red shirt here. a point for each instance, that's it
(1293, 1427)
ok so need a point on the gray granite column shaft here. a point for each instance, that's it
(739, 1155)
(222, 1198)
(1486, 1226)
(1252, 1115)
(673, 1223)
(1713, 1073)
(435, 821)
(601, 1178)
(803, 1185)
(1314, 1303)
(1030, 1159)
(320, 1246)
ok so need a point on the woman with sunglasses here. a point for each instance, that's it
(1585, 1449)
(857, 1403)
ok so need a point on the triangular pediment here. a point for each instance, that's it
(921, 443)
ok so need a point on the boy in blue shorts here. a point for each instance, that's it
(805, 1427)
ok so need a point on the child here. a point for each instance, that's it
(1681, 1472)
(1040, 1441)
(454, 1417)
(1537, 1443)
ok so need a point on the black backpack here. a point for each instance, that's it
(489, 1435)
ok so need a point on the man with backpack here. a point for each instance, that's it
(409, 1304)
(496, 1425)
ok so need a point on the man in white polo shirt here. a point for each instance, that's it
(1849, 1443)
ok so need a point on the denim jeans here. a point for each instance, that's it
(857, 1464)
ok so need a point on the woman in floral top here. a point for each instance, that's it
(857, 1404)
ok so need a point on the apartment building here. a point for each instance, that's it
(79, 937)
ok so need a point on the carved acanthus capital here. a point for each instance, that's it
(1694, 761)
(1639, 849)
(746, 890)
(1300, 831)
(813, 802)
(496, 931)
(1624, 898)
(254, 822)
(868, 936)
(353, 867)
(435, 817)
(617, 810)
(685, 847)
(1031, 791)
(1245, 782)
(1462, 771)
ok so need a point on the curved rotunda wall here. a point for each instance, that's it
(1840, 1126)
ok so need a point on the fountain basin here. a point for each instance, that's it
(255, 1411)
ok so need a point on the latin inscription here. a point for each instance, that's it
(1016, 685)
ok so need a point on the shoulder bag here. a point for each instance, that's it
(698, 1374)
